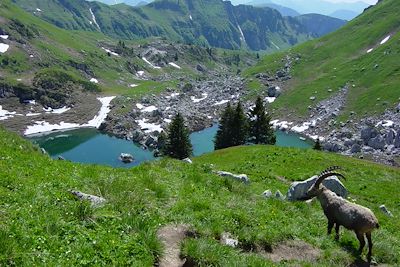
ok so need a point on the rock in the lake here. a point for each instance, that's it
(240, 177)
(126, 158)
(95, 201)
(298, 190)
(385, 210)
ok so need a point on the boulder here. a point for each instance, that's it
(356, 148)
(200, 68)
(298, 190)
(241, 177)
(274, 91)
(281, 73)
(332, 147)
(95, 201)
(377, 142)
(368, 133)
(397, 140)
(126, 158)
(390, 136)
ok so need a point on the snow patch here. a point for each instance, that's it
(150, 64)
(370, 50)
(301, 128)
(149, 109)
(167, 120)
(5, 37)
(43, 126)
(38, 10)
(385, 40)
(385, 123)
(270, 99)
(174, 65)
(282, 125)
(221, 102)
(5, 114)
(190, 17)
(140, 73)
(94, 18)
(139, 106)
(32, 102)
(59, 110)
(133, 85)
(4, 47)
(109, 51)
(197, 100)
(149, 127)
(33, 114)
(94, 80)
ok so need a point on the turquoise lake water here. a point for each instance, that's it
(90, 146)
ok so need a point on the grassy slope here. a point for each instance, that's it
(339, 58)
(41, 224)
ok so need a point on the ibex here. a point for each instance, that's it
(341, 212)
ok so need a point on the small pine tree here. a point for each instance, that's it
(178, 143)
(317, 145)
(223, 139)
(261, 131)
(239, 127)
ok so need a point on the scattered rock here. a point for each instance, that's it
(356, 148)
(241, 177)
(385, 210)
(95, 201)
(267, 193)
(274, 91)
(377, 142)
(188, 160)
(312, 98)
(228, 240)
(279, 195)
(126, 158)
(298, 190)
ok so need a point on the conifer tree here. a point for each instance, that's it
(239, 128)
(317, 145)
(178, 143)
(261, 131)
(223, 139)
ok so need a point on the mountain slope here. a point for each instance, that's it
(204, 22)
(40, 217)
(354, 56)
(285, 11)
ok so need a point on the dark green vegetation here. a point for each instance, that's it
(340, 59)
(261, 131)
(42, 224)
(177, 143)
(202, 22)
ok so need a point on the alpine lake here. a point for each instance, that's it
(89, 146)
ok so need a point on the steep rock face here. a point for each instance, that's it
(214, 23)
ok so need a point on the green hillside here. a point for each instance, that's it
(42, 224)
(203, 22)
(341, 58)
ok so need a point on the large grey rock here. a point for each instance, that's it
(126, 158)
(332, 147)
(368, 133)
(390, 136)
(377, 142)
(356, 148)
(240, 177)
(274, 91)
(397, 140)
(95, 201)
(298, 190)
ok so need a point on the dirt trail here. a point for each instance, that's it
(171, 237)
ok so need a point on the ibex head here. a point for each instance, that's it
(317, 188)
